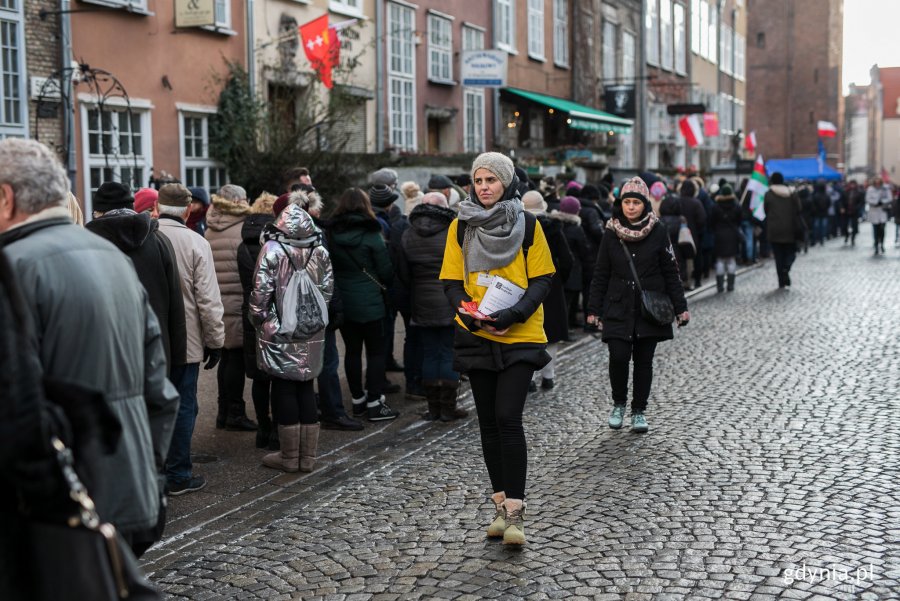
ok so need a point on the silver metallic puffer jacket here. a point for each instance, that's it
(278, 354)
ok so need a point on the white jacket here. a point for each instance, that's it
(203, 310)
(878, 201)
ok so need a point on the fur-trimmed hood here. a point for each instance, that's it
(224, 214)
(780, 190)
(263, 204)
(565, 217)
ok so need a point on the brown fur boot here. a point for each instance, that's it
(309, 442)
(433, 396)
(449, 411)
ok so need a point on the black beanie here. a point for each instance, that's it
(776, 179)
(688, 189)
(111, 196)
(590, 192)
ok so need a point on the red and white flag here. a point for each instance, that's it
(750, 142)
(691, 130)
(710, 124)
(322, 47)
(827, 129)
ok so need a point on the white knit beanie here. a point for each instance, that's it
(498, 164)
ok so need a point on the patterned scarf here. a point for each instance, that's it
(628, 233)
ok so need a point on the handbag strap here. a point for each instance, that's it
(77, 492)
(366, 273)
(637, 280)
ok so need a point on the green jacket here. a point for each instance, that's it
(357, 248)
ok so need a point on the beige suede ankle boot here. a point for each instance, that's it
(288, 458)
(515, 522)
(495, 530)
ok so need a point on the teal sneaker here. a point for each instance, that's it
(639, 423)
(616, 417)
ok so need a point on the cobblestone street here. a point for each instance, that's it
(771, 470)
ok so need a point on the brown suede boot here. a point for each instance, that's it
(449, 412)
(309, 441)
(433, 396)
(498, 526)
(288, 458)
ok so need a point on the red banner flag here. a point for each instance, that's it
(322, 47)
(826, 129)
(750, 142)
(710, 124)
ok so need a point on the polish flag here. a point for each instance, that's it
(750, 142)
(827, 129)
(691, 130)
(710, 124)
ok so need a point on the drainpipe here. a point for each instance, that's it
(251, 50)
(642, 97)
(379, 75)
(65, 23)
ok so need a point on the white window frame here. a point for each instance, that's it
(713, 33)
(140, 107)
(472, 37)
(138, 6)
(609, 60)
(666, 36)
(651, 32)
(440, 55)
(350, 8)
(505, 19)
(704, 28)
(401, 107)
(629, 55)
(725, 51)
(16, 126)
(695, 26)
(740, 56)
(561, 33)
(225, 21)
(679, 22)
(204, 162)
(473, 129)
(536, 29)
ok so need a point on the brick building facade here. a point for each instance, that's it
(794, 57)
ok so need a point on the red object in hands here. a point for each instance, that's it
(471, 307)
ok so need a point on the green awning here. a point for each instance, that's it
(580, 116)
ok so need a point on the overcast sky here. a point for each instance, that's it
(871, 35)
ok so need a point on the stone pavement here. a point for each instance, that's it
(771, 470)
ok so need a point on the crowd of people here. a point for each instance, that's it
(123, 312)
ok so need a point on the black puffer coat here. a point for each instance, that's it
(248, 252)
(578, 244)
(615, 298)
(137, 235)
(726, 222)
(592, 223)
(556, 314)
(419, 260)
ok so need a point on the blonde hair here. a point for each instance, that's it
(75, 211)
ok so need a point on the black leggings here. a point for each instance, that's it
(878, 228)
(500, 401)
(621, 352)
(294, 402)
(355, 335)
(230, 376)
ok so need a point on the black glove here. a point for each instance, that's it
(211, 356)
(504, 318)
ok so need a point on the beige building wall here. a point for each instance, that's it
(280, 61)
(890, 144)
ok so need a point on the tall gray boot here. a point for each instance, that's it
(309, 442)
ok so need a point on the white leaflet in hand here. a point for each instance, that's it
(502, 294)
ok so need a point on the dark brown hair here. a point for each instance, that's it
(354, 200)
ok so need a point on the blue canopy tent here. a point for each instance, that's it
(806, 169)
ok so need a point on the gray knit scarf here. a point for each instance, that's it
(493, 236)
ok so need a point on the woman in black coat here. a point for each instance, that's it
(615, 302)
(556, 315)
(726, 224)
(581, 253)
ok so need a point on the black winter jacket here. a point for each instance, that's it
(592, 223)
(419, 259)
(578, 245)
(726, 222)
(137, 235)
(556, 314)
(248, 252)
(615, 298)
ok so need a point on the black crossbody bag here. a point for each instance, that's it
(656, 307)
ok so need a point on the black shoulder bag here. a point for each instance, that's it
(656, 307)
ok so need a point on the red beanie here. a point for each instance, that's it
(281, 202)
(144, 199)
